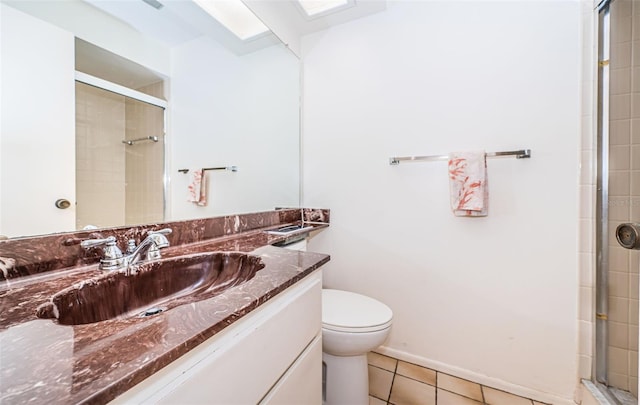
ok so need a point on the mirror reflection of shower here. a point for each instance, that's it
(119, 158)
(120, 140)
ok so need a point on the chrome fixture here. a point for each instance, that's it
(231, 168)
(113, 259)
(628, 235)
(519, 154)
(154, 3)
(149, 248)
(146, 138)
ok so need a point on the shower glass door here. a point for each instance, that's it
(618, 198)
(119, 158)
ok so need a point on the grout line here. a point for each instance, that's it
(461, 395)
(420, 381)
(393, 379)
(395, 372)
(380, 368)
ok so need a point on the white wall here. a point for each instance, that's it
(38, 125)
(490, 299)
(99, 28)
(234, 110)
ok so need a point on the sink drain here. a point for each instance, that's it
(151, 311)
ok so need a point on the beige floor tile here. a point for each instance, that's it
(376, 401)
(459, 386)
(406, 391)
(379, 360)
(380, 382)
(449, 398)
(425, 375)
(539, 403)
(496, 397)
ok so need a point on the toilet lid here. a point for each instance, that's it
(351, 312)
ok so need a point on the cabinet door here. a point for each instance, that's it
(302, 383)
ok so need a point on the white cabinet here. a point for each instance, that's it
(302, 383)
(273, 355)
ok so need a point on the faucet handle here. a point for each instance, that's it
(112, 255)
(165, 231)
(91, 243)
(159, 241)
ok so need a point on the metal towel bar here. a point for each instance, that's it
(146, 138)
(519, 154)
(231, 168)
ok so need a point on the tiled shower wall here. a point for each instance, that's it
(145, 160)
(100, 161)
(586, 250)
(624, 192)
(118, 184)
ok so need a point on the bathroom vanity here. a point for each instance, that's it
(276, 349)
(255, 342)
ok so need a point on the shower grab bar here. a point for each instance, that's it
(519, 154)
(146, 138)
(231, 168)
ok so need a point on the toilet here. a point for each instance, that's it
(352, 325)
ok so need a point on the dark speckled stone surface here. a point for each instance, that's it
(26, 256)
(43, 361)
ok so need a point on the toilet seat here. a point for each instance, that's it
(344, 311)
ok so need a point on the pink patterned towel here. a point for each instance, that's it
(198, 188)
(468, 184)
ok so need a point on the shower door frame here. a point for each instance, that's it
(600, 370)
(600, 374)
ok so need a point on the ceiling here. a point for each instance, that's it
(179, 21)
(291, 12)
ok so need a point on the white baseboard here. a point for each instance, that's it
(477, 378)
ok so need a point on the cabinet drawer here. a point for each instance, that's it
(302, 383)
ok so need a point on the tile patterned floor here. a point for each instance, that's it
(395, 382)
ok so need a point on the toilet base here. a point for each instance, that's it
(347, 379)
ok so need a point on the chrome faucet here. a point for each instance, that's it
(113, 259)
(149, 248)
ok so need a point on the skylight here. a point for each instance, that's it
(235, 16)
(315, 7)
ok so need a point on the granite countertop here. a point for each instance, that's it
(42, 361)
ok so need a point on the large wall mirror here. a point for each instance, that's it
(109, 107)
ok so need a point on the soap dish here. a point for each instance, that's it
(290, 230)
